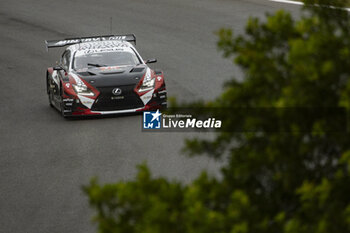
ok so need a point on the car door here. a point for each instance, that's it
(62, 75)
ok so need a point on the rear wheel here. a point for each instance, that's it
(50, 98)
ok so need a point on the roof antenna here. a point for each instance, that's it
(110, 25)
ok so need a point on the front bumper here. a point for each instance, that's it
(73, 106)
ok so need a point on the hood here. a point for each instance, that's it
(113, 75)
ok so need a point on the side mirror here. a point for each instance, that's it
(153, 60)
(57, 68)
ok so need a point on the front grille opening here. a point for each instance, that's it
(105, 102)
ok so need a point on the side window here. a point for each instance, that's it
(65, 61)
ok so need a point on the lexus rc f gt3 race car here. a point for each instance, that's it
(103, 75)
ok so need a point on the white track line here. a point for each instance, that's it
(287, 1)
(296, 3)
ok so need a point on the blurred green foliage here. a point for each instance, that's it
(297, 182)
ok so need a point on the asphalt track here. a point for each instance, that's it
(44, 159)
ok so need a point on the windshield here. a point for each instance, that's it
(115, 58)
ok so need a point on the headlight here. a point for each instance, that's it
(147, 85)
(83, 90)
(148, 82)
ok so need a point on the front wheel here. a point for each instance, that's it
(48, 90)
(50, 98)
(65, 112)
(62, 108)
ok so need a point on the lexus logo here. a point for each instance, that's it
(117, 91)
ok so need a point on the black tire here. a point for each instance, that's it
(50, 99)
(62, 109)
(62, 106)
(48, 90)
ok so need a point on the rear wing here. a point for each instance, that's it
(70, 41)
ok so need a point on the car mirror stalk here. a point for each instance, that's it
(57, 68)
(153, 60)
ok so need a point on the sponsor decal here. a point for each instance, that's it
(108, 68)
(145, 98)
(86, 101)
(117, 97)
(104, 46)
(92, 39)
